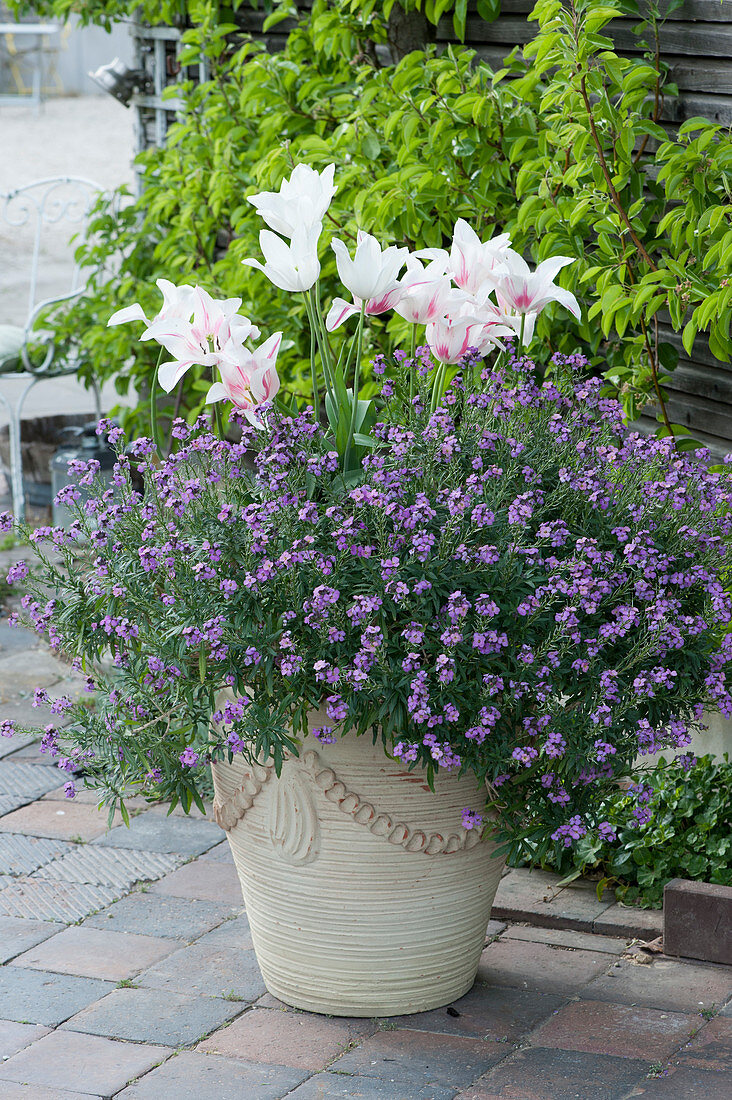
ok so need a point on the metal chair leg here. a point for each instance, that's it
(16, 458)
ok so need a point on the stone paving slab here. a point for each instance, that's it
(151, 832)
(297, 1039)
(68, 1059)
(96, 953)
(10, 802)
(118, 867)
(539, 966)
(38, 998)
(26, 671)
(421, 1058)
(11, 745)
(709, 1048)
(15, 1036)
(11, 1090)
(221, 853)
(13, 638)
(594, 1026)
(178, 918)
(21, 855)
(26, 779)
(190, 1076)
(626, 920)
(336, 1086)
(66, 902)
(204, 881)
(532, 895)
(486, 1012)
(67, 821)
(155, 1016)
(665, 984)
(234, 933)
(208, 971)
(685, 1084)
(561, 937)
(18, 935)
(538, 1074)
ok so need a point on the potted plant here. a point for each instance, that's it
(406, 631)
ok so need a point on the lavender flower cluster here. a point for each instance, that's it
(514, 586)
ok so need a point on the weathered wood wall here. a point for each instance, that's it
(696, 44)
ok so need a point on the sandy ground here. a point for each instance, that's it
(87, 136)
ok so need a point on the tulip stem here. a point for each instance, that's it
(356, 380)
(314, 372)
(219, 420)
(439, 381)
(155, 427)
(312, 306)
(412, 364)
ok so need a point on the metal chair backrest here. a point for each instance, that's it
(31, 212)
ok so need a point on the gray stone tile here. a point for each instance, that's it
(13, 1090)
(14, 638)
(68, 1059)
(221, 853)
(151, 832)
(18, 935)
(56, 901)
(234, 933)
(154, 1016)
(20, 855)
(421, 1058)
(193, 1076)
(26, 779)
(37, 997)
(531, 895)
(495, 928)
(118, 867)
(14, 1036)
(10, 802)
(210, 971)
(685, 1083)
(545, 1074)
(338, 1086)
(486, 1012)
(25, 671)
(564, 937)
(540, 967)
(10, 745)
(627, 920)
(664, 984)
(161, 915)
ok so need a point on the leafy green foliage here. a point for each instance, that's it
(689, 835)
(652, 215)
(566, 152)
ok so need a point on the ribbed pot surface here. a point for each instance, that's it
(365, 895)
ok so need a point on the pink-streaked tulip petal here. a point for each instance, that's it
(567, 299)
(217, 392)
(170, 374)
(339, 312)
(128, 313)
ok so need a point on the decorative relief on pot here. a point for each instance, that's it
(293, 822)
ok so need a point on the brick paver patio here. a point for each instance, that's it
(127, 970)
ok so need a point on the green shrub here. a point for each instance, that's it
(689, 835)
(565, 152)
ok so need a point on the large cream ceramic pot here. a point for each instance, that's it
(365, 895)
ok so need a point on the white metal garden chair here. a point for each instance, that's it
(26, 217)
